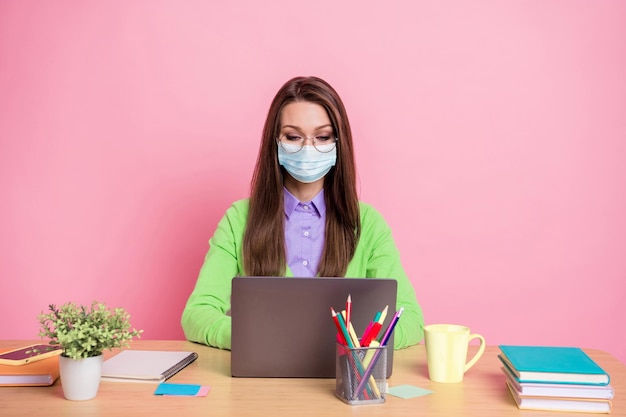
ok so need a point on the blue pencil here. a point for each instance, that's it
(392, 325)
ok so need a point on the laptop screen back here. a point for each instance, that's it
(282, 327)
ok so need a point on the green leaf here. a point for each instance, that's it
(84, 331)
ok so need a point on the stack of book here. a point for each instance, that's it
(555, 379)
(40, 373)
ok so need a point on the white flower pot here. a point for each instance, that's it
(80, 378)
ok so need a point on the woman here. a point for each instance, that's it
(303, 217)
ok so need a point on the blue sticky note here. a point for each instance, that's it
(407, 391)
(177, 389)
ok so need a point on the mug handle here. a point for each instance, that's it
(478, 354)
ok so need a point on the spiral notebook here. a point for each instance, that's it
(145, 365)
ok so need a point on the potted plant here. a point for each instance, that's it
(84, 332)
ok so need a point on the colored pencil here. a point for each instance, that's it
(368, 371)
(392, 325)
(383, 315)
(366, 333)
(340, 334)
(342, 328)
(373, 333)
(351, 332)
(348, 311)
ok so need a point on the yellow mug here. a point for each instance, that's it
(446, 351)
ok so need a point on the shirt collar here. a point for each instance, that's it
(291, 202)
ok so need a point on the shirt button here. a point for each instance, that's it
(305, 207)
(305, 263)
(306, 233)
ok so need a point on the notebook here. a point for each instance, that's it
(585, 405)
(282, 327)
(39, 373)
(537, 389)
(145, 365)
(555, 364)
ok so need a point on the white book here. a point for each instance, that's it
(145, 365)
(602, 392)
(587, 405)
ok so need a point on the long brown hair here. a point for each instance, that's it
(264, 239)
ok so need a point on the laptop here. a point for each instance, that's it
(283, 328)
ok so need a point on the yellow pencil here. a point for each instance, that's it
(383, 314)
(351, 332)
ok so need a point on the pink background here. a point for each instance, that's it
(490, 134)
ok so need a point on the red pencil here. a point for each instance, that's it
(367, 331)
(348, 311)
(371, 335)
(375, 329)
(340, 332)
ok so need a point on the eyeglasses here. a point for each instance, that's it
(293, 142)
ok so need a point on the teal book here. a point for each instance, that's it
(552, 364)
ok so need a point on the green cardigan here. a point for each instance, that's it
(206, 320)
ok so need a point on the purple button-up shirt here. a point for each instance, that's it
(305, 224)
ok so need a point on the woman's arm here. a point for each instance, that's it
(206, 316)
(383, 261)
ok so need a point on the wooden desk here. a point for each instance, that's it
(482, 393)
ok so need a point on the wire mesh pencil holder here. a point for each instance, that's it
(361, 374)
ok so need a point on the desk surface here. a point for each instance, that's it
(483, 391)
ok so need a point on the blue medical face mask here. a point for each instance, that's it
(308, 164)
